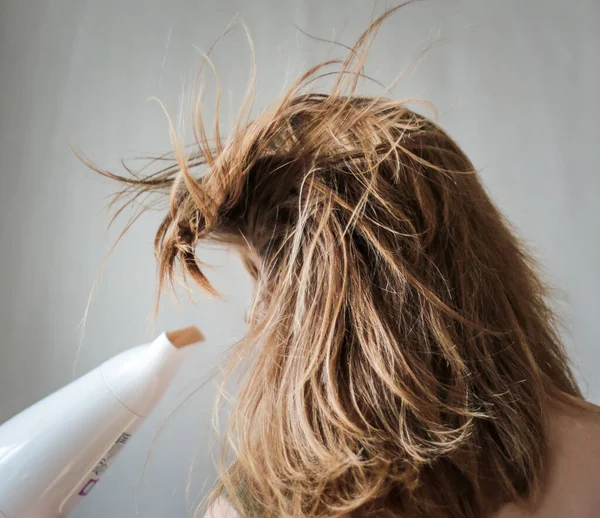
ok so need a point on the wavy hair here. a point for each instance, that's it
(401, 356)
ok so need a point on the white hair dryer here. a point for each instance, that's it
(53, 453)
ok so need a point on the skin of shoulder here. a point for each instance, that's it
(572, 486)
(221, 509)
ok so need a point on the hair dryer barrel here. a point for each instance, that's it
(53, 453)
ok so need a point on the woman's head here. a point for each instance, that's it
(401, 352)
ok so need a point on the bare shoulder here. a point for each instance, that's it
(572, 485)
(574, 462)
(572, 431)
(221, 509)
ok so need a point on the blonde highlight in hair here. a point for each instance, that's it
(401, 352)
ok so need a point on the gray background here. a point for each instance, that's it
(516, 83)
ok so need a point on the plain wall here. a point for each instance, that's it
(516, 83)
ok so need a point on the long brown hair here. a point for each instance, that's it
(401, 352)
